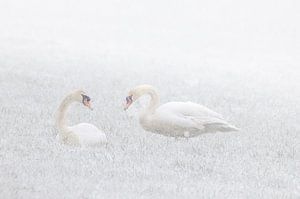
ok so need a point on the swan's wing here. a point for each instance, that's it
(190, 109)
(84, 128)
(88, 134)
(175, 121)
(197, 108)
(189, 115)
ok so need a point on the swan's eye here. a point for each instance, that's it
(85, 98)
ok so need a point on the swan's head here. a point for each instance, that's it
(136, 93)
(81, 97)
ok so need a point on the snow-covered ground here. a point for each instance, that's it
(240, 58)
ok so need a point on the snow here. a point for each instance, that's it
(238, 58)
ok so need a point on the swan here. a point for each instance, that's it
(82, 134)
(176, 119)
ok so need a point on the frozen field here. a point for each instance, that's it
(239, 59)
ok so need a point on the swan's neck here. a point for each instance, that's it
(61, 115)
(154, 101)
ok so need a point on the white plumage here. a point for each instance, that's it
(83, 134)
(88, 134)
(177, 119)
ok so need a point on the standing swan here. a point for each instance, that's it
(80, 134)
(176, 119)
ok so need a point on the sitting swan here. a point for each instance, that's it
(81, 134)
(176, 119)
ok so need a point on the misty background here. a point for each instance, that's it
(239, 58)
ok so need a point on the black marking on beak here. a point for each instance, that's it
(129, 99)
(85, 98)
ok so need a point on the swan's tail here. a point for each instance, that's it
(221, 127)
(230, 127)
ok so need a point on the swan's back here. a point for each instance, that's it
(88, 134)
(190, 109)
(177, 118)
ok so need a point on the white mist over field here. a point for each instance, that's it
(239, 58)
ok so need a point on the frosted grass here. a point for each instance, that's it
(106, 48)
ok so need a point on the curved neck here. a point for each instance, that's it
(61, 114)
(154, 101)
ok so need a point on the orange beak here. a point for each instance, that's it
(87, 104)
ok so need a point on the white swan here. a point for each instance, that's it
(81, 134)
(176, 119)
